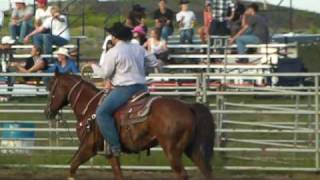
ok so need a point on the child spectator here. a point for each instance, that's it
(156, 45)
(258, 26)
(139, 35)
(64, 65)
(33, 64)
(21, 21)
(59, 32)
(207, 18)
(186, 20)
(163, 17)
(43, 12)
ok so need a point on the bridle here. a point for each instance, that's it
(77, 95)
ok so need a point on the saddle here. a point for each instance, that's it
(130, 118)
(135, 111)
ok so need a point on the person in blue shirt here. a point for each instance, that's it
(64, 65)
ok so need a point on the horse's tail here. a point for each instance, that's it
(200, 149)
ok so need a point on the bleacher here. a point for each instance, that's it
(218, 57)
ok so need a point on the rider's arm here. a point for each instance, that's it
(107, 67)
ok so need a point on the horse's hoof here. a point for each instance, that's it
(71, 178)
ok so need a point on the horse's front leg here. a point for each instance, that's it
(116, 167)
(86, 151)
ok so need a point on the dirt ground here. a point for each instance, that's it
(6, 174)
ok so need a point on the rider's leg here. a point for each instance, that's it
(117, 97)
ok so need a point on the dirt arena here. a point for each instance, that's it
(6, 174)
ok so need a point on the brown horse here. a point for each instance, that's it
(176, 126)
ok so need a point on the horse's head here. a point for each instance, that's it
(58, 95)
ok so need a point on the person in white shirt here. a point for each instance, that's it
(186, 20)
(43, 12)
(124, 67)
(59, 35)
(21, 20)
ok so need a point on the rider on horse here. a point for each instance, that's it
(124, 67)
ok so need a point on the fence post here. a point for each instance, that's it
(296, 119)
(199, 89)
(205, 80)
(317, 122)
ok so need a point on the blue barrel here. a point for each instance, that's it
(17, 134)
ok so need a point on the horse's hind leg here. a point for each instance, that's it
(86, 151)
(174, 150)
(199, 160)
(175, 158)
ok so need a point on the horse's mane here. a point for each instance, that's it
(78, 78)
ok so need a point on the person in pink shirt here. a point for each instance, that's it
(207, 18)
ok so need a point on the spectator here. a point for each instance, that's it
(59, 32)
(156, 45)
(258, 26)
(137, 17)
(186, 20)
(207, 19)
(64, 65)
(21, 21)
(33, 64)
(237, 20)
(163, 19)
(43, 12)
(223, 11)
(139, 35)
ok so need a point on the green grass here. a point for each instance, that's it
(157, 158)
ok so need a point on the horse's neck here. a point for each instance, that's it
(86, 103)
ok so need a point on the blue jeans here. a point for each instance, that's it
(243, 40)
(219, 28)
(45, 41)
(20, 31)
(166, 31)
(114, 100)
(186, 36)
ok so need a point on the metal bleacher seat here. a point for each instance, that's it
(263, 60)
(24, 55)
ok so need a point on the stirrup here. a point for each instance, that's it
(109, 152)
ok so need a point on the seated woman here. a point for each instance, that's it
(64, 65)
(33, 64)
(157, 46)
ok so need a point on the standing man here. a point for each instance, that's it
(124, 67)
(163, 19)
(21, 20)
(59, 35)
(223, 11)
(257, 26)
(43, 12)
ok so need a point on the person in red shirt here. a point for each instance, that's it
(207, 18)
